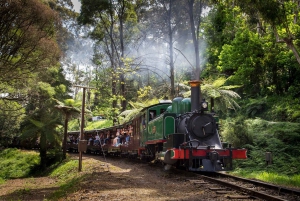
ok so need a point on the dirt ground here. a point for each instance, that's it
(111, 179)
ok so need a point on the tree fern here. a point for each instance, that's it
(223, 95)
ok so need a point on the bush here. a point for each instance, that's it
(235, 131)
(279, 138)
(273, 108)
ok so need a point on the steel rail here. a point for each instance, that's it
(253, 193)
(262, 184)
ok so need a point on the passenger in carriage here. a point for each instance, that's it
(122, 136)
(116, 140)
(129, 134)
(102, 138)
(70, 140)
(107, 139)
(90, 142)
(97, 140)
(130, 128)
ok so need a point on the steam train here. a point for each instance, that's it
(181, 133)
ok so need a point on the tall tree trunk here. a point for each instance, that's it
(172, 77)
(292, 47)
(122, 78)
(112, 61)
(43, 150)
(65, 136)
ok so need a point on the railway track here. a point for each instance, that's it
(237, 188)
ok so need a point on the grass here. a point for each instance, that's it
(66, 188)
(2, 180)
(271, 177)
(66, 171)
(15, 163)
(68, 176)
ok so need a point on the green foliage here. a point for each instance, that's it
(15, 163)
(111, 113)
(90, 8)
(69, 102)
(143, 93)
(223, 95)
(45, 89)
(279, 138)
(68, 176)
(74, 125)
(272, 177)
(235, 131)
(39, 128)
(65, 171)
(128, 115)
(271, 108)
(252, 56)
(283, 109)
(11, 116)
(241, 60)
(255, 107)
(42, 119)
(26, 48)
(99, 124)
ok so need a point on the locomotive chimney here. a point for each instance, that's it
(195, 94)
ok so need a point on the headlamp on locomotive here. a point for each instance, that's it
(204, 105)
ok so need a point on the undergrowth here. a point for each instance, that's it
(267, 125)
(69, 177)
(272, 108)
(15, 163)
(259, 136)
